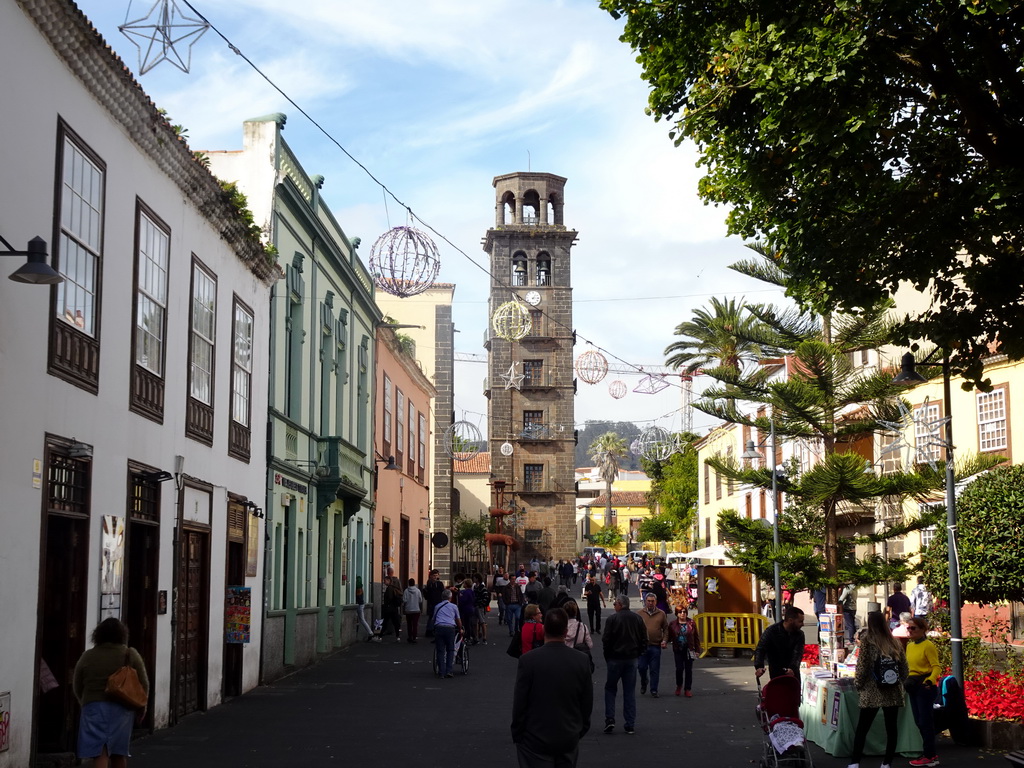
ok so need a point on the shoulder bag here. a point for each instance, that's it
(582, 647)
(124, 687)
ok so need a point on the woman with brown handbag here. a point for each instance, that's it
(105, 729)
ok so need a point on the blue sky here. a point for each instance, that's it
(436, 98)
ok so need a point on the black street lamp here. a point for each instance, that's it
(909, 375)
(751, 453)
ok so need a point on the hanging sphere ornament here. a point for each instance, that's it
(592, 366)
(404, 262)
(617, 389)
(462, 441)
(506, 449)
(656, 444)
(511, 321)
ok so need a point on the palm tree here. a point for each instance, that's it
(713, 338)
(606, 451)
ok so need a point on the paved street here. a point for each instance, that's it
(378, 704)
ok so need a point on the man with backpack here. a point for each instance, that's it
(482, 598)
(391, 605)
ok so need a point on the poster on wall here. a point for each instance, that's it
(112, 566)
(5, 721)
(237, 614)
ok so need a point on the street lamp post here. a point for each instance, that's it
(909, 375)
(751, 453)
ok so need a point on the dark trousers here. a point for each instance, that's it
(867, 717)
(922, 699)
(594, 615)
(391, 617)
(412, 624)
(430, 619)
(684, 669)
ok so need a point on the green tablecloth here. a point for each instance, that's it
(830, 711)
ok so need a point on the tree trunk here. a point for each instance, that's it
(831, 550)
(607, 503)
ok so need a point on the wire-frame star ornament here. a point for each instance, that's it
(651, 384)
(158, 32)
(926, 433)
(512, 379)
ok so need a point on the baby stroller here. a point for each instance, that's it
(461, 655)
(778, 714)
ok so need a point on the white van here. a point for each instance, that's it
(637, 555)
(595, 552)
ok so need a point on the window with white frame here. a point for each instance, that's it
(388, 405)
(992, 420)
(412, 436)
(927, 435)
(204, 317)
(241, 373)
(400, 425)
(81, 233)
(154, 247)
(423, 442)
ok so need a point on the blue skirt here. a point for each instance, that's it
(105, 723)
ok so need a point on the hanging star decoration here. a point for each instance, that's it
(158, 32)
(651, 384)
(926, 434)
(512, 379)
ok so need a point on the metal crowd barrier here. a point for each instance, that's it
(730, 630)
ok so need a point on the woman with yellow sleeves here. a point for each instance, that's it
(923, 663)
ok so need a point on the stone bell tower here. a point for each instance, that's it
(530, 385)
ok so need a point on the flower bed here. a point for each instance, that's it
(994, 696)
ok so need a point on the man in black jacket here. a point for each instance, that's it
(624, 639)
(553, 697)
(432, 591)
(781, 645)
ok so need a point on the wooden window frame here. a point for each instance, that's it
(73, 354)
(239, 433)
(1004, 389)
(148, 386)
(199, 416)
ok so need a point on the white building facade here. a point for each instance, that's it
(131, 456)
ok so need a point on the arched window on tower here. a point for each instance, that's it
(551, 209)
(508, 205)
(519, 268)
(531, 207)
(543, 268)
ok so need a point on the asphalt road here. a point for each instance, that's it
(379, 704)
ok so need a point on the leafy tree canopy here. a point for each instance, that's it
(608, 536)
(469, 531)
(867, 143)
(989, 531)
(674, 485)
(661, 527)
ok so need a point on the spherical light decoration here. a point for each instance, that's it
(506, 449)
(404, 262)
(617, 389)
(592, 366)
(656, 444)
(511, 321)
(462, 441)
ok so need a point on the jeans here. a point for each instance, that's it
(650, 663)
(850, 624)
(514, 617)
(684, 669)
(444, 647)
(430, 619)
(361, 619)
(624, 670)
(922, 699)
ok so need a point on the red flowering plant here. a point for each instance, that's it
(994, 695)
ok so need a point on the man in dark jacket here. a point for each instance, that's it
(432, 591)
(782, 645)
(553, 697)
(625, 638)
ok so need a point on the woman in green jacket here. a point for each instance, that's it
(105, 730)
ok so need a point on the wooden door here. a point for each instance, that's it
(63, 630)
(234, 576)
(140, 599)
(403, 551)
(192, 607)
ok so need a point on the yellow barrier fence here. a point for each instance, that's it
(730, 630)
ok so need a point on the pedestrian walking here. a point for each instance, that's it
(467, 610)
(498, 585)
(483, 604)
(595, 602)
(432, 591)
(447, 624)
(881, 673)
(514, 600)
(105, 726)
(921, 599)
(552, 700)
(624, 639)
(685, 642)
(412, 606)
(656, 624)
(781, 647)
(361, 610)
(924, 671)
(532, 634)
(848, 601)
(391, 606)
(896, 604)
